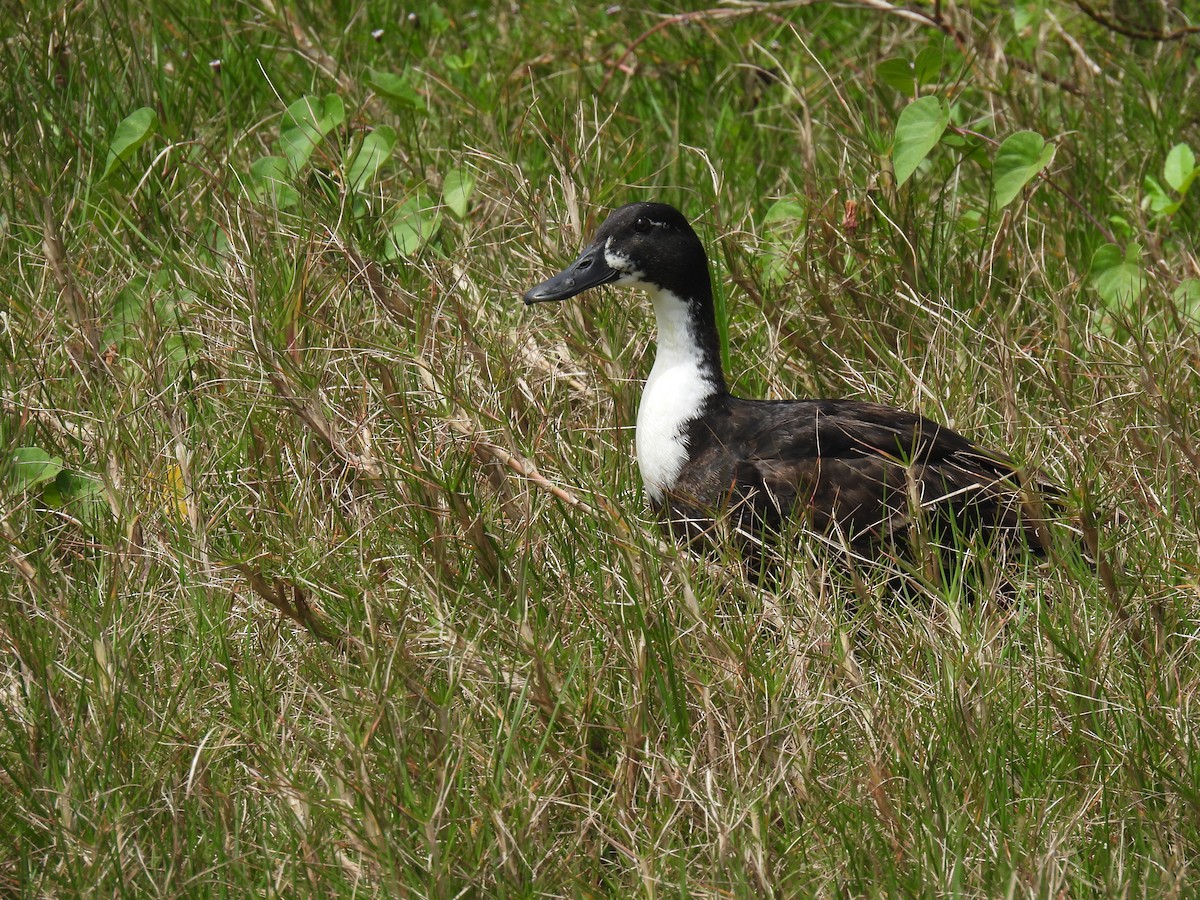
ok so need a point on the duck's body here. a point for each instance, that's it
(857, 473)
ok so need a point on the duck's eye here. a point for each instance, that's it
(642, 225)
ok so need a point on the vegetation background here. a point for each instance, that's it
(326, 568)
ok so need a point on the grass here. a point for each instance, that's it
(326, 566)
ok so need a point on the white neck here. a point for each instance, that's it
(679, 384)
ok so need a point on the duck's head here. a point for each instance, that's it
(646, 245)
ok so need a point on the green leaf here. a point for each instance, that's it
(786, 209)
(436, 20)
(1187, 298)
(374, 151)
(1020, 157)
(181, 355)
(128, 310)
(135, 129)
(457, 188)
(395, 89)
(1025, 16)
(1117, 275)
(413, 224)
(898, 73)
(304, 126)
(906, 75)
(782, 227)
(1159, 201)
(32, 466)
(928, 64)
(1120, 226)
(970, 218)
(461, 62)
(73, 488)
(269, 181)
(1180, 168)
(918, 130)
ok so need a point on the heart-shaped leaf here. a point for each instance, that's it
(918, 130)
(898, 73)
(414, 222)
(305, 124)
(1117, 274)
(73, 488)
(928, 64)
(1019, 159)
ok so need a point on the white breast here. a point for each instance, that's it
(674, 394)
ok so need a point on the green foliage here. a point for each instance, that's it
(269, 182)
(147, 319)
(1117, 275)
(782, 227)
(134, 130)
(922, 125)
(304, 126)
(1020, 158)
(909, 76)
(74, 490)
(457, 188)
(1187, 300)
(462, 62)
(397, 90)
(1179, 171)
(34, 470)
(31, 466)
(372, 153)
(411, 226)
(918, 130)
(1180, 168)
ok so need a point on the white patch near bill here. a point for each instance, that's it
(674, 395)
(619, 262)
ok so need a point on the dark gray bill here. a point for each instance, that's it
(588, 271)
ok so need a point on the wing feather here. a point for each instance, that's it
(861, 471)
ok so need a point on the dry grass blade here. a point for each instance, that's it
(77, 305)
(293, 601)
(309, 411)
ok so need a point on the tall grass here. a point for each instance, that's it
(326, 566)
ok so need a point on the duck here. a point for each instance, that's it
(857, 475)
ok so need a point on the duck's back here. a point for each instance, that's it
(861, 473)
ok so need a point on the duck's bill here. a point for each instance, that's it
(588, 271)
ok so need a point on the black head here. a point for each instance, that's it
(648, 245)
